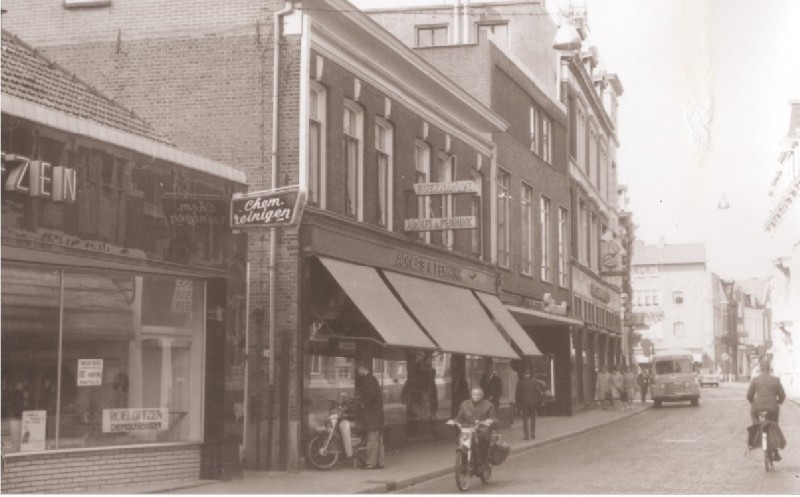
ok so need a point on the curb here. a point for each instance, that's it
(430, 475)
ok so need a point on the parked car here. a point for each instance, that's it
(708, 377)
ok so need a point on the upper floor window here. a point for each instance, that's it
(544, 227)
(602, 173)
(527, 221)
(580, 137)
(317, 153)
(503, 207)
(677, 297)
(353, 159)
(591, 169)
(384, 147)
(533, 126)
(563, 263)
(498, 32)
(431, 36)
(583, 233)
(593, 241)
(422, 164)
(678, 329)
(547, 140)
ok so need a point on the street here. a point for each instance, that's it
(677, 449)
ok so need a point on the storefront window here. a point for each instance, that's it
(333, 378)
(131, 357)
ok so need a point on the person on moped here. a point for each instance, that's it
(476, 409)
(766, 394)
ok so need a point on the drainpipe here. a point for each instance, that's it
(277, 27)
(465, 29)
(456, 34)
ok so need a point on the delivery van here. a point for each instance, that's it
(674, 379)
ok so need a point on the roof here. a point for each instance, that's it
(29, 76)
(756, 287)
(686, 253)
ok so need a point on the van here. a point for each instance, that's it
(673, 378)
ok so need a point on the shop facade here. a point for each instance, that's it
(119, 277)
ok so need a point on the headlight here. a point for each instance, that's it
(465, 438)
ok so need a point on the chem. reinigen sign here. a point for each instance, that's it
(267, 209)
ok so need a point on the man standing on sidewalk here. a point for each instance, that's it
(529, 396)
(369, 391)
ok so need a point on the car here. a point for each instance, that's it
(708, 377)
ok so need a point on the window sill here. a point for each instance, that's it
(72, 450)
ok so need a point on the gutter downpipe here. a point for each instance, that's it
(456, 24)
(277, 28)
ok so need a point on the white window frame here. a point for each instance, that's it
(545, 227)
(547, 140)
(432, 28)
(591, 170)
(533, 128)
(422, 164)
(386, 149)
(503, 217)
(357, 134)
(580, 136)
(490, 27)
(318, 116)
(316, 365)
(563, 262)
(527, 237)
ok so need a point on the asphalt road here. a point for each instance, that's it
(677, 449)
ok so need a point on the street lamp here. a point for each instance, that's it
(567, 37)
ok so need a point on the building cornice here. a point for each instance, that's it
(587, 90)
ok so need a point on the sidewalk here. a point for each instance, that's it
(404, 467)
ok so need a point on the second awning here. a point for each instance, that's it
(452, 316)
(376, 302)
(509, 324)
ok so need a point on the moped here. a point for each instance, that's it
(341, 437)
(467, 455)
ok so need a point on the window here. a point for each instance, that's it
(677, 329)
(431, 36)
(353, 159)
(316, 365)
(577, 308)
(677, 297)
(563, 262)
(422, 164)
(602, 173)
(592, 239)
(580, 134)
(496, 31)
(477, 211)
(317, 104)
(534, 129)
(503, 205)
(384, 145)
(447, 173)
(544, 227)
(547, 141)
(527, 221)
(591, 169)
(583, 233)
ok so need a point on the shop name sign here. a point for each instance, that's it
(600, 293)
(267, 209)
(194, 210)
(135, 419)
(426, 266)
(448, 188)
(441, 223)
(39, 179)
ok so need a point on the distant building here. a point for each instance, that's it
(673, 291)
(753, 302)
(783, 226)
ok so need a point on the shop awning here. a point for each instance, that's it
(452, 316)
(376, 302)
(509, 324)
(532, 317)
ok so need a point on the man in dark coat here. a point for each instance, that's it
(492, 387)
(371, 395)
(766, 394)
(529, 396)
(474, 410)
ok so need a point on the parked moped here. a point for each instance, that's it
(341, 438)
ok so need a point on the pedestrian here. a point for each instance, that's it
(602, 388)
(629, 386)
(529, 396)
(371, 416)
(616, 387)
(643, 380)
(492, 387)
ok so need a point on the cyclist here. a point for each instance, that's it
(477, 409)
(766, 394)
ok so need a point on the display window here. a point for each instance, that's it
(96, 358)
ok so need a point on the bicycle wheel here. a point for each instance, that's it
(487, 474)
(462, 472)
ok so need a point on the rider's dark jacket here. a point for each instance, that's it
(765, 393)
(470, 412)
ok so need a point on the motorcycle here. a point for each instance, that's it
(341, 437)
(467, 455)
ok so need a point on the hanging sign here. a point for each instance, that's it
(90, 372)
(268, 209)
(135, 419)
(32, 435)
(194, 210)
(448, 188)
(441, 223)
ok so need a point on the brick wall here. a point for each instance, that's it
(87, 471)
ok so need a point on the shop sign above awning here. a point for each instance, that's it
(364, 286)
(452, 316)
(509, 324)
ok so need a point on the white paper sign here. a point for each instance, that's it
(90, 372)
(182, 297)
(33, 433)
(135, 419)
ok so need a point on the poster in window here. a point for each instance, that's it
(90, 372)
(33, 430)
(182, 297)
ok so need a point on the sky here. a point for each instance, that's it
(707, 85)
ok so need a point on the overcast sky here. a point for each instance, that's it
(704, 110)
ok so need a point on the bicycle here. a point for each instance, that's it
(761, 436)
